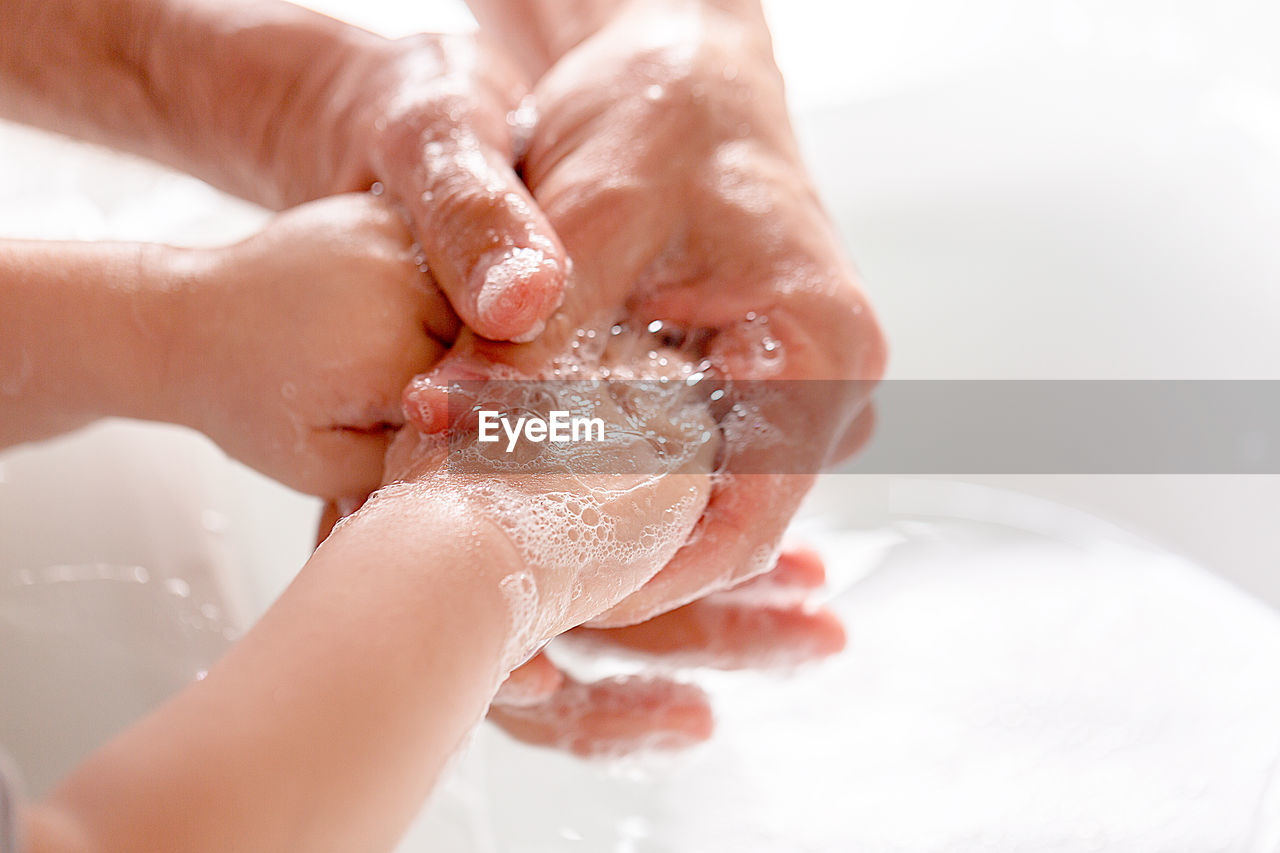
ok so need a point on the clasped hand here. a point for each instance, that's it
(663, 158)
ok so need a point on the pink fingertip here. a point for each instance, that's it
(695, 721)
(828, 634)
(530, 685)
(518, 294)
(799, 567)
(426, 406)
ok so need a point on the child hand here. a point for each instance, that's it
(292, 347)
(589, 521)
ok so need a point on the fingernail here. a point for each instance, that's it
(508, 294)
(425, 406)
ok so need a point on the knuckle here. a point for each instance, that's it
(840, 320)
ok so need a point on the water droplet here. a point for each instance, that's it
(377, 188)
(178, 587)
(717, 394)
(616, 330)
(653, 92)
(655, 326)
(525, 115)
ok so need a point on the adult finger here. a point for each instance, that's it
(722, 635)
(534, 681)
(482, 235)
(612, 717)
(791, 581)
(760, 623)
(764, 632)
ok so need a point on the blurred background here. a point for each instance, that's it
(1040, 189)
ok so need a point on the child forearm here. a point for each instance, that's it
(324, 728)
(233, 92)
(88, 330)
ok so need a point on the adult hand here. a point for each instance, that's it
(663, 147)
(664, 159)
(436, 121)
(282, 105)
(763, 623)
